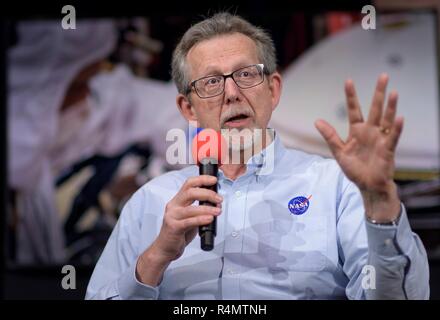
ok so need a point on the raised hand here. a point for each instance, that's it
(367, 155)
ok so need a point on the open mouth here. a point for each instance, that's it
(237, 120)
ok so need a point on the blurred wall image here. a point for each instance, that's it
(76, 117)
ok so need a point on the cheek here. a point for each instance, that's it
(264, 117)
(263, 110)
(209, 115)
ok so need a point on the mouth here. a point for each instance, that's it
(237, 121)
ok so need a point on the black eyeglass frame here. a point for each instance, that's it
(226, 76)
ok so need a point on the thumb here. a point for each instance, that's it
(330, 136)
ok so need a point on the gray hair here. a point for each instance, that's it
(220, 24)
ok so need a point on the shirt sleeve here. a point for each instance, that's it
(381, 262)
(114, 276)
(399, 260)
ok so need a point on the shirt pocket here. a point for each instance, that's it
(302, 243)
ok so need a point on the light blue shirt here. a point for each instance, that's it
(269, 245)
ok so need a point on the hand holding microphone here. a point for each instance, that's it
(207, 148)
(182, 220)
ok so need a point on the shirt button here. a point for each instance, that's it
(238, 194)
(234, 234)
(388, 242)
(231, 272)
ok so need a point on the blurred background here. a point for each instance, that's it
(88, 109)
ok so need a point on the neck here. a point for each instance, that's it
(233, 171)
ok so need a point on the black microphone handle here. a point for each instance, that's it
(208, 232)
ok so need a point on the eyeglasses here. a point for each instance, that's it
(244, 78)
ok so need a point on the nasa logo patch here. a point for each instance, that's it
(299, 205)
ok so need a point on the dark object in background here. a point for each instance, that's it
(86, 247)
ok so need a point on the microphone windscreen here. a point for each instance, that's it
(208, 143)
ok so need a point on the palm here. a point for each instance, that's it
(366, 162)
(367, 156)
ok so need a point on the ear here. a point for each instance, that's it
(275, 87)
(186, 108)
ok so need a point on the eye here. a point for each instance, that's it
(244, 74)
(212, 81)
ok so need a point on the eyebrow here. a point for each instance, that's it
(211, 70)
(214, 71)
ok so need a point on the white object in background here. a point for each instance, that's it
(404, 46)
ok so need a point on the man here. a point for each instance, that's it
(303, 231)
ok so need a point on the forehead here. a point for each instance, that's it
(222, 54)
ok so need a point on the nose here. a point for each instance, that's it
(232, 91)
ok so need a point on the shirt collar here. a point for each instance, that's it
(264, 162)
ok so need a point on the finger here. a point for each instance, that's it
(390, 112)
(353, 106)
(201, 194)
(194, 211)
(351, 145)
(195, 222)
(375, 114)
(330, 135)
(395, 133)
(199, 181)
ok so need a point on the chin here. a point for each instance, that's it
(240, 139)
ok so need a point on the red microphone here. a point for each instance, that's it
(208, 149)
